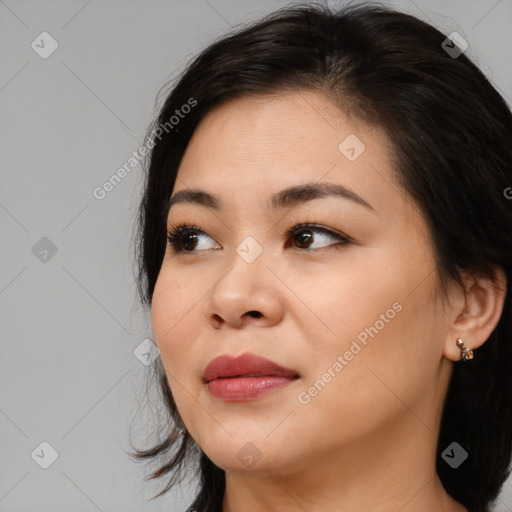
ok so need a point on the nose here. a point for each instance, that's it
(248, 293)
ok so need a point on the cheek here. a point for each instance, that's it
(377, 379)
(176, 335)
(381, 324)
(172, 314)
(346, 301)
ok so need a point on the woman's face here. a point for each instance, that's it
(357, 321)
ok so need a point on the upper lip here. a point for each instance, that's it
(244, 365)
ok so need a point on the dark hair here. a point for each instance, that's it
(451, 134)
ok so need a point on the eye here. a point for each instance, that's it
(304, 235)
(187, 238)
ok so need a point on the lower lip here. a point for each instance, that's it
(246, 388)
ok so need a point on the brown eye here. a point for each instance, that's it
(304, 238)
(189, 241)
(305, 235)
(187, 238)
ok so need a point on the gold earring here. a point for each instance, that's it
(465, 353)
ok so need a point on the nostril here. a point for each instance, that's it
(254, 314)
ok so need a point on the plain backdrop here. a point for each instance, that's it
(71, 325)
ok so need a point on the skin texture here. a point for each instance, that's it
(367, 439)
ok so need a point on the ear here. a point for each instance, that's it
(477, 312)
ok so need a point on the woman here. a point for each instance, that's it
(325, 246)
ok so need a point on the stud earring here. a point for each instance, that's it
(465, 353)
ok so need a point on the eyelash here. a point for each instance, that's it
(179, 230)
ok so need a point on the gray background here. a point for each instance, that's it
(70, 320)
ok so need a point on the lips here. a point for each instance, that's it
(246, 365)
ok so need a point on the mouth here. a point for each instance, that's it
(250, 375)
(245, 377)
(244, 388)
(246, 365)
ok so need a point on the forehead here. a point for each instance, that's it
(249, 148)
(289, 124)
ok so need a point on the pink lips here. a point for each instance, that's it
(245, 377)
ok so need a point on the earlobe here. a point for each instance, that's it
(482, 306)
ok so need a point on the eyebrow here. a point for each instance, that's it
(291, 196)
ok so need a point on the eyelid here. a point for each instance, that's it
(297, 226)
